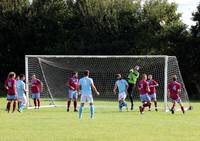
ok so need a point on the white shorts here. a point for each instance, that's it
(86, 98)
(22, 99)
(122, 96)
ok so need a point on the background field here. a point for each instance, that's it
(55, 124)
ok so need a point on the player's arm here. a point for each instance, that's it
(14, 87)
(179, 89)
(69, 85)
(147, 88)
(139, 88)
(155, 84)
(168, 90)
(127, 88)
(115, 88)
(95, 89)
(24, 88)
(79, 90)
(6, 85)
(40, 85)
(137, 74)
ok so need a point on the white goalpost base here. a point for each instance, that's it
(54, 70)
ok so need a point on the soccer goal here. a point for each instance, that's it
(54, 70)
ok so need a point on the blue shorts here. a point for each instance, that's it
(145, 98)
(11, 97)
(178, 100)
(73, 94)
(153, 97)
(35, 95)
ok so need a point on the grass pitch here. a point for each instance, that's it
(55, 124)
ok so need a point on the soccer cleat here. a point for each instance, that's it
(67, 110)
(156, 109)
(172, 110)
(75, 110)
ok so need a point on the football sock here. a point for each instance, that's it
(120, 105)
(80, 112)
(75, 105)
(21, 106)
(91, 111)
(8, 106)
(145, 104)
(68, 104)
(38, 101)
(14, 105)
(149, 106)
(173, 106)
(182, 108)
(35, 103)
(18, 105)
(155, 103)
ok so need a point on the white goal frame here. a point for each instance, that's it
(166, 107)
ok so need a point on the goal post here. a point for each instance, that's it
(54, 70)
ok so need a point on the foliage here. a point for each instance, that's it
(111, 27)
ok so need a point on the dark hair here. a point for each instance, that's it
(86, 72)
(118, 75)
(174, 78)
(75, 72)
(21, 76)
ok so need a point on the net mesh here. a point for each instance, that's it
(54, 72)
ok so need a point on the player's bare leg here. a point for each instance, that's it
(182, 108)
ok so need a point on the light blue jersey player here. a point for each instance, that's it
(122, 86)
(21, 97)
(86, 86)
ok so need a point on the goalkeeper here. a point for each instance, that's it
(132, 80)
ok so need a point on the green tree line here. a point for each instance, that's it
(98, 27)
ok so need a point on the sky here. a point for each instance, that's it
(186, 7)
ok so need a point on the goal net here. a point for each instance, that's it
(54, 72)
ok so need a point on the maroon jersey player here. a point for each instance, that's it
(174, 89)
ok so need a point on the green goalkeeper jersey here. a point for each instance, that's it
(133, 76)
